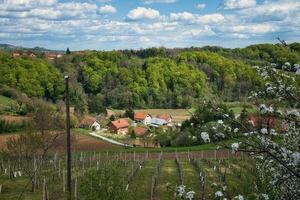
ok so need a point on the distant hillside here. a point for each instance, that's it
(9, 47)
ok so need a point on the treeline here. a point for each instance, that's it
(34, 77)
(148, 78)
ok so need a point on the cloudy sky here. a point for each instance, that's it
(120, 24)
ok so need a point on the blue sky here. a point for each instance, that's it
(120, 24)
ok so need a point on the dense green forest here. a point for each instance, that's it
(148, 78)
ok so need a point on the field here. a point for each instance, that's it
(131, 175)
(178, 115)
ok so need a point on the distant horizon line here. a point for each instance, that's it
(138, 49)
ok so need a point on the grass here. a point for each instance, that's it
(237, 107)
(81, 131)
(5, 100)
(168, 176)
(141, 186)
(239, 180)
(175, 112)
(203, 147)
(5, 104)
(190, 176)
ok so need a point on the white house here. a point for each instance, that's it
(95, 126)
(142, 117)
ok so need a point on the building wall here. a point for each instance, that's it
(122, 131)
(147, 120)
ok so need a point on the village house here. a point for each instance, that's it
(32, 55)
(16, 54)
(142, 117)
(120, 126)
(52, 56)
(95, 126)
(166, 117)
(258, 122)
(156, 122)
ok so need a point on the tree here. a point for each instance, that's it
(129, 113)
(277, 155)
(68, 51)
(46, 129)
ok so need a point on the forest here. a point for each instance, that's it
(146, 78)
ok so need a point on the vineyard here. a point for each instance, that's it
(129, 175)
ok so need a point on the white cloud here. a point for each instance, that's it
(272, 11)
(183, 16)
(205, 31)
(199, 19)
(19, 5)
(158, 1)
(143, 13)
(201, 6)
(238, 4)
(107, 9)
(103, 1)
(252, 29)
(48, 10)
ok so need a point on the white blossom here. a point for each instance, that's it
(220, 121)
(264, 131)
(235, 146)
(293, 112)
(190, 195)
(264, 109)
(273, 132)
(236, 130)
(296, 157)
(218, 194)
(180, 190)
(205, 137)
(297, 68)
(220, 135)
(265, 196)
(239, 197)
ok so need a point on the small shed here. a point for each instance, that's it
(96, 126)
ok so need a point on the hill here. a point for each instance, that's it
(9, 48)
(146, 78)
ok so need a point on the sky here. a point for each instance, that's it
(135, 24)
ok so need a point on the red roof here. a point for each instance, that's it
(166, 117)
(120, 123)
(140, 131)
(140, 115)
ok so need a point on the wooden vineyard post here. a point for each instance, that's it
(76, 189)
(69, 161)
(64, 181)
(45, 190)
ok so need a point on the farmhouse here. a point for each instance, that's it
(156, 122)
(32, 55)
(166, 117)
(95, 126)
(16, 54)
(52, 56)
(142, 117)
(120, 126)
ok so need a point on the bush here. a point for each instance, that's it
(9, 127)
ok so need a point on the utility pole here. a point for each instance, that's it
(68, 139)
